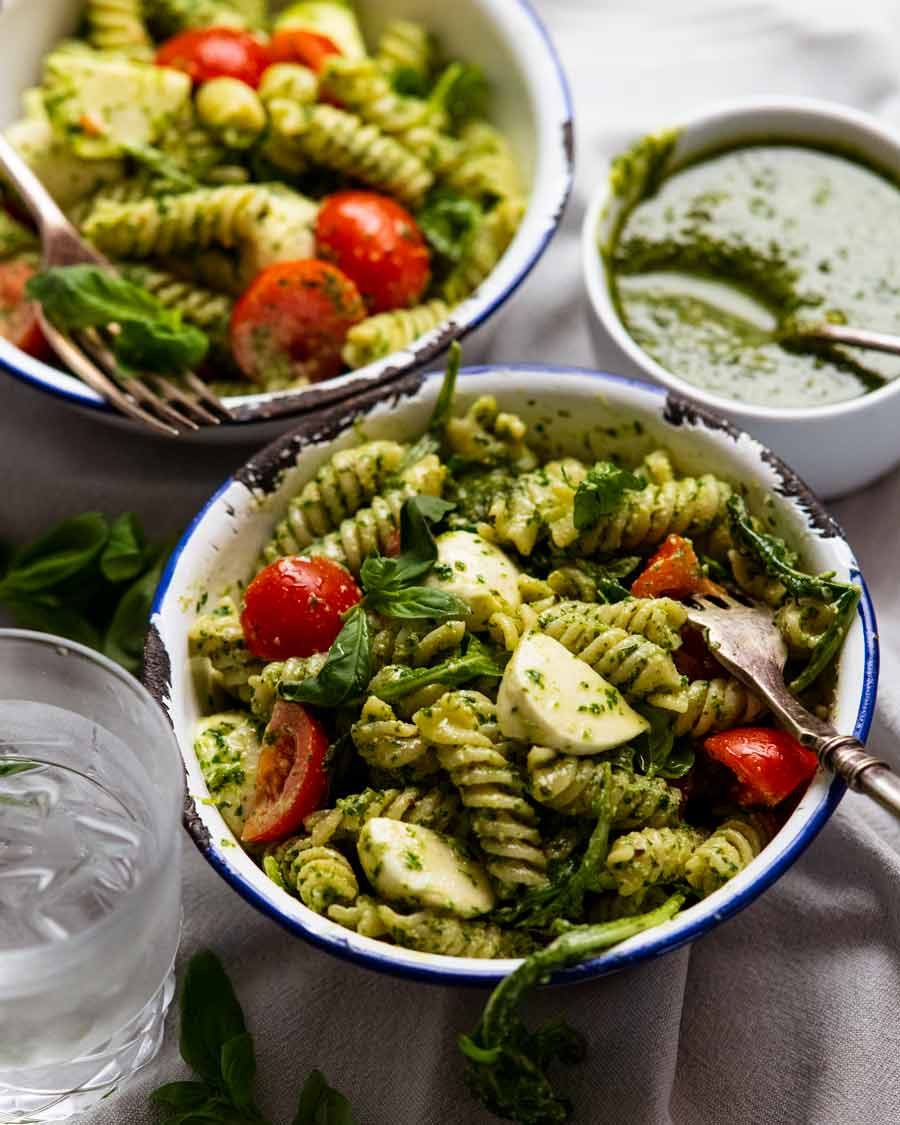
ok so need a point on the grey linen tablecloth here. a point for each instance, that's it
(787, 1014)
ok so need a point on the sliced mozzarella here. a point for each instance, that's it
(478, 572)
(412, 864)
(551, 698)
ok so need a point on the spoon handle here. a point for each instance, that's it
(845, 334)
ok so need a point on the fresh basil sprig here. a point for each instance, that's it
(88, 580)
(600, 492)
(149, 337)
(507, 1063)
(656, 753)
(389, 591)
(447, 220)
(216, 1045)
(394, 681)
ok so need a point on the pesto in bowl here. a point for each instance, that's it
(710, 260)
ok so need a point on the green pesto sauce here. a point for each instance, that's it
(711, 259)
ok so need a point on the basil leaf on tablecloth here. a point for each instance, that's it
(210, 1016)
(123, 555)
(239, 1069)
(322, 1105)
(67, 549)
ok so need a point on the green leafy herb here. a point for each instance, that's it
(345, 673)
(507, 1063)
(430, 441)
(150, 336)
(771, 555)
(216, 1045)
(171, 176)
(653, 747)
(397, 680)
(601, 491)
(123, 555)
(447, 220)
(461, 92)
(321, 1105)
(409, 82)
(540, 907)
(72, 582)
(416, 602)
(769, 552)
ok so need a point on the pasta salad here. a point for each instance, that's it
(308, 201)
(459, 706)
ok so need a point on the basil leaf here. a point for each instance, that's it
(322, 1105)
(345, 673)
(653, 748)
(166, 347)
(43, 616)
(397, 680)
(123, 555)
(772, 556)
(409, 81)
(447, 220)
(127, 630)
(238, 1063)
(150, 335)
(600, 492)
(386, 575)
(461, 92)
(419, 602)
(679, 762)
(830, 641)
(66, 550)
(181, 1097)
(210, 1015)
(161, 165)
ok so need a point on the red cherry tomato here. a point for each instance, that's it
(291, 781)
(377, 243)
(768, 763)
(294, 607)
(294, 318)
(306, 47)
(674, 572)
(18, 317)
(215, 52)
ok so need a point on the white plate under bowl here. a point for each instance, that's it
(530, 103)
(574, 410)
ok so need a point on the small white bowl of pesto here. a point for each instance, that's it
(707, 242)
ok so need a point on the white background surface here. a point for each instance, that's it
(788, 1014)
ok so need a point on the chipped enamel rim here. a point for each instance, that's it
(527, 38)
(238, 516)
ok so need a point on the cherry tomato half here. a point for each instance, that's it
(291, 781)
(215, 52)
(769, 764)
(293, 319)
(18, 317)
(306, 47)
(377, 244)
(294, 607)
(674, 572)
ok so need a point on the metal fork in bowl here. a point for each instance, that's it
(152, 400)
(747, 642)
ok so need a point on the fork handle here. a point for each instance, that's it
(38, 200)
(846, 756)
(841, 753)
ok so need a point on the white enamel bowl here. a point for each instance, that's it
(574, 409)
(530, 103)
(837, 448)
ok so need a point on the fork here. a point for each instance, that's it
(151, 399)
(747, 642)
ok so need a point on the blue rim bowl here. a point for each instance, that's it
(224, 539)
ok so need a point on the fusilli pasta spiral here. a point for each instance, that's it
(717, 705)
(388, 332)
(341, 141)
(636, 666)
(389, 743)
(487, 436)
(802, 622)
(484, 249)
(462, 727)
(218, 636)
(263, 686)
(405, 45)
(363, 88)
(433, 808)
(118, 25)
(650, 856)
(320, 876)
(347, 481)
(430, 932)
(572, 785)
(658, 619)
(726, 852)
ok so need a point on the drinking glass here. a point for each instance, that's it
(91, 790)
